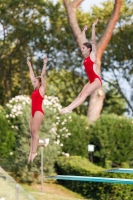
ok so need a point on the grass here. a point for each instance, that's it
(52, 191)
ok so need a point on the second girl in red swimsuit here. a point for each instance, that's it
(37, 113)
(95, 82)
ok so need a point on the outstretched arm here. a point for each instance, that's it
(84, 34)
(32, 76)
(93, 37)
(43, 85)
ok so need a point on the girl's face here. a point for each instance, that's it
(85, 51)
(36, 83)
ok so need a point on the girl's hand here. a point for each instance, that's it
(28, 63)
(95, 23)
(85, 28)
(45, 60)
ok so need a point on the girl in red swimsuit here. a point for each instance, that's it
(37, 113)
(95, 82)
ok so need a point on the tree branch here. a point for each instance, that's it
(71, 13)
(119, 89)
(101, 46)
(76, 3)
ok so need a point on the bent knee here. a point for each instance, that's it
(34, 131)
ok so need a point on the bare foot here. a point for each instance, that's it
(65, 111)
(29, 157)
(33, 155)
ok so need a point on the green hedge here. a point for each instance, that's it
(79, 166)
(112, 136)
(77, 126)
(7, 138)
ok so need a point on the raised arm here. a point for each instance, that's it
(43, 85)
(32, 76)
(93, 37)
(84, 34)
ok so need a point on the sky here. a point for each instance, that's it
(86, 4)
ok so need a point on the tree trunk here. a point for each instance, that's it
(97, 98)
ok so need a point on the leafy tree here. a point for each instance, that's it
(96, 100)
(28, 30)
(117, 60)
(114, 102)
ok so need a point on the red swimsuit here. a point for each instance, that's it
(36, 104)
(89, 68)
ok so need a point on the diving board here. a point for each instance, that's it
(120, 170)
(92, 179)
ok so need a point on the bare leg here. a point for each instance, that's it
(36, 123)
(78, 97)
(87, 90)
(30, 125)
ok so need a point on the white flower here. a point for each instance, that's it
(67, 154)
(7, 116)
(57, 142)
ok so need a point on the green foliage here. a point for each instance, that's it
(18, 115)
(118, 65)
(65, 85)
(30, 27)
(75, 165)
(80, 166)
(112, 136)
(114, 102)
(7, 138)
(74, 136)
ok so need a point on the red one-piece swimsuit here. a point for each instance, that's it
(36, 102)
(90, 71)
